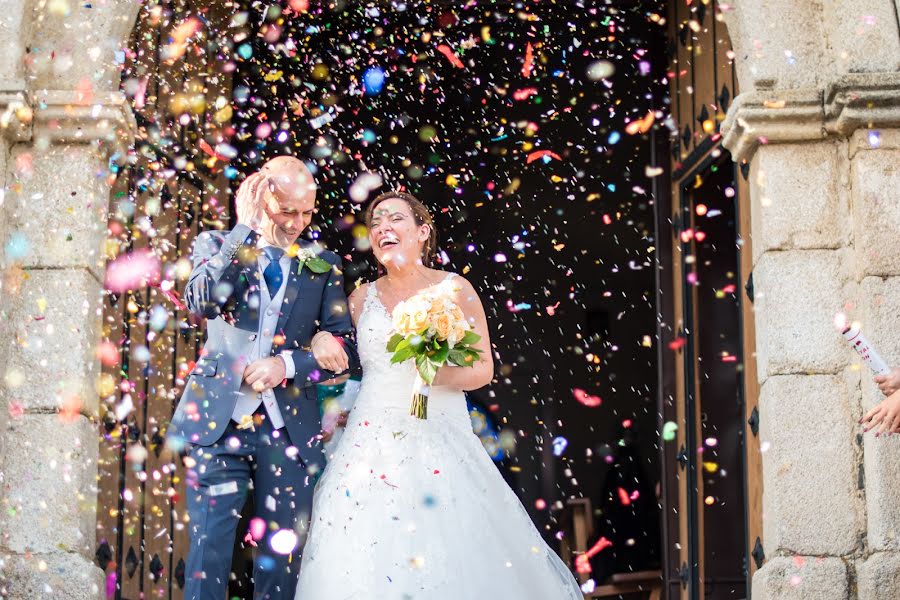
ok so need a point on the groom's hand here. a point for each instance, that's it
(250, 201)
(264, 373)
(329, 353)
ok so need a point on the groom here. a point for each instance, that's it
(277, 323)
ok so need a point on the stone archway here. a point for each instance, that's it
(817, 122)
(62, 119)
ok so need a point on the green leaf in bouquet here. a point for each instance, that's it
(439, 356)
(470, 358)
(417, 342)
(470, 338)
(457, 357)
(392, 343)
(403, 353)
(427, 369)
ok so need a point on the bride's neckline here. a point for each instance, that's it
(377, 296)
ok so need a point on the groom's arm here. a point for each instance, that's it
(217, 268)
(334, 317)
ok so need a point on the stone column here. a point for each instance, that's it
(817, 121)
(68, 121)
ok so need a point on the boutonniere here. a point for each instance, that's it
(309, 259)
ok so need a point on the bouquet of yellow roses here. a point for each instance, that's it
(431, 328)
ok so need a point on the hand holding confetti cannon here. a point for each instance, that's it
(432, 329)
(887, 412)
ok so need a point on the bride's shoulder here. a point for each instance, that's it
(357, 298)
(360, 290)
(459, 284)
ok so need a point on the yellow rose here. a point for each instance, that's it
(438, 305)
(418, 313)
(443, 326)
(457, 313)
(457, 333)
(418, 321)
(401, 323)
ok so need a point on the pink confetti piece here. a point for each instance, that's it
(132, 271)
(524, 94)
(582, 562)
(586, 399)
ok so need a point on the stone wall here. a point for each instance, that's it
(819, 122)
(61, 118)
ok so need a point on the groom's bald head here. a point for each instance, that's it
(290, 179)
(288, 200)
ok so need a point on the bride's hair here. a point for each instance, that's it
(421, 216)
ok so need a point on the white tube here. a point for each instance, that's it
(870, 356)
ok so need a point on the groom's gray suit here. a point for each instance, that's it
(278, 454)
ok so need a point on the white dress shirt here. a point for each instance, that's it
(269, 311)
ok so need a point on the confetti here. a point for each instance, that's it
(448, 52)
(586, 399)
(283, 541)
(670, 429)
(132, 271)
(529, 61)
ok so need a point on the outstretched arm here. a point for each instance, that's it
(885, 416)
(482, 372)
(215, 278)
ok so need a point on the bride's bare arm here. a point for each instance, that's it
(481, 374)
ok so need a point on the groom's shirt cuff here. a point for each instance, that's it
(289, 369)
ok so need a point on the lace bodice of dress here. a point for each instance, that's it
(373, 330)
(386, 384)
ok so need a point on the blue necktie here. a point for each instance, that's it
(273, 273)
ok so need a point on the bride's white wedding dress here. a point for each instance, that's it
(413, 509)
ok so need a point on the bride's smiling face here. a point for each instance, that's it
(395, 236)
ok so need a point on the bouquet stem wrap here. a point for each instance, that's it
(421, 391)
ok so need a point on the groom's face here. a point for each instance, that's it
(288, 212)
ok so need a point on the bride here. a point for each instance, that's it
(415, 509)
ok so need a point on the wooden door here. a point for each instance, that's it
(702, 84)
(712, 464)
(168, 189)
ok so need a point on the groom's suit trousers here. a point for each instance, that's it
(263, 462)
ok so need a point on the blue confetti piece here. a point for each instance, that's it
(373, 80)
(17, 247)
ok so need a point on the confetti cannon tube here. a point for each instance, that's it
(870, 356)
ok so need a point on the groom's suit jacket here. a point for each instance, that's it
(224, 287)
